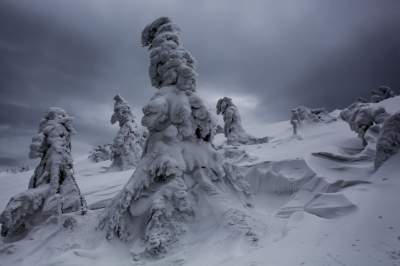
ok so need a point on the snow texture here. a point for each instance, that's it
(388, 142)
(101, 153)
(179, 169)
(127, 147)
(233, 129)
(52, 188)
(302, 115)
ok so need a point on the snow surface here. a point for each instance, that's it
(337, 219)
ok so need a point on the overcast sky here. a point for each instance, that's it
(269, 56)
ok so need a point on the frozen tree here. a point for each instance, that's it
(128, 145)
(389, 140)
(233, 129)
(52, 188)
(302, 115)
(382, 93)
(179, 170)
(362, 116)
(101, 153)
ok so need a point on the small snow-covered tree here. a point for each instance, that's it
(127, 147)
(101, 153)
(233, 129)
(52, 188)
(388, 142)
(179, 170)
(302, 115)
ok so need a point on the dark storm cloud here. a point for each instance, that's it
(268, 55)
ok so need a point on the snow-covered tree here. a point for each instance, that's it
(389, 140)
(52, 188)
(101, 153)
(382, 93)
(179, 170)
(233, 129)
(127, 147)
(302, 115)
(362, 116)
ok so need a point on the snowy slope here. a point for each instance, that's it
(344, 225)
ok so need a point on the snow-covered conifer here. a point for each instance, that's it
(128, 145)
(388, 142)
(302, 115)
(179, 170)
(52, 188)
(233, 129)
(101, 153)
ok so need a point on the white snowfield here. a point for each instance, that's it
(307, 210)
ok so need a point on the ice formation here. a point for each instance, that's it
(101, 153)
(388, 142)
(233, 129)
(127, 147)
(303, 115)
(179, 170)
(52, 188)
(382, 93)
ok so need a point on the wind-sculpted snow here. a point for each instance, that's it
(233, 128)
(302, 115)
(306, 190)
(101, 153)
(127, 147)
(179, 170)
(388, 142)
(52, 188)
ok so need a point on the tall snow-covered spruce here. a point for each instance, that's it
(128, 145)
(233, 129)
(180, 177)
(52, 189)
